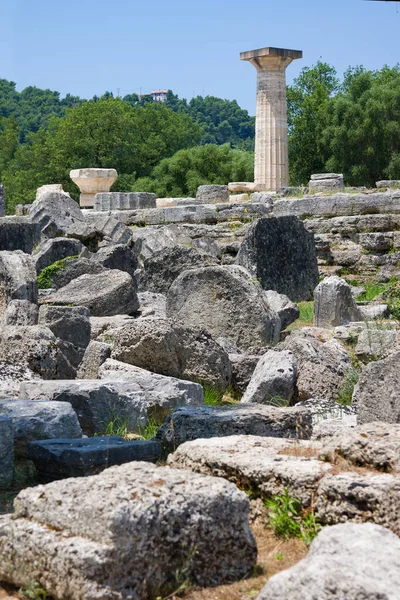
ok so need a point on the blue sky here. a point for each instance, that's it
(85, 47)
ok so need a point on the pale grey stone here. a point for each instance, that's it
(21, 312)
(373, 311)
(280, 252)
(388, 183)
(259, 463)
(124, 201)
(6, 452)
(102, 325)
(72, 268)
(56, 213)
(274, 379)
(95, 355)
(376, 241)
(322, 365)
(126, 532)
(243, 366)
(17, 280)
(359, 498)
(186, 424)
(227, 302)
(376, 341)
(108, 293)
(168, 348)
(56, 249)
(152, 304)
(326, 182)
(117, 256)
(287, 310)
(345, 562)
(40, 421)
(376, 395)
(334, 303)
(212, 194)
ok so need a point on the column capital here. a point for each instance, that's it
(271, 59)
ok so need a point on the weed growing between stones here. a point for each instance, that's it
(149, 430)
(372, 290)
(306, 316)
(34, 592)
(118, 425)
(287, 518)
(392, 297)
(345, 392)
(45, 277)
(215, 397)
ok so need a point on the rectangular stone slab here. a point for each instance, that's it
(56, 459)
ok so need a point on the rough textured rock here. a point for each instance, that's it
(98, 402)
(71, 325)
(359, 498)
(21, 312)
(40, 421)
(103, 325)
(287, 310)
(274, 379)
(376, 341)
(124, 201)
(165, 347)
(152, 305)
(227, 302)
(6, 452)
(243, 366)
(17, 279)
(376, 395)
(212, 194)
(72, 268)
(52, 187)
(186, 424)
(95, 355)
(256, 463)
(375, 445)
(163, 267)
(326, 182)
(56, 213)
(11, 374)
(18, 233)
(111, 292)
(126, 532)
(56, 249)
(345, 562)
(57, 459)
(166, 391)
(34, 346)
(322, 365)
(280, 252)
(150, 240)
(334, 304)
(117, 256)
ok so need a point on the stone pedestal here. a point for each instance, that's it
(271, 147)
(326, 182)
(92, 182)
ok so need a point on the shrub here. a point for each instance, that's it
(45, 277)
(287, 518)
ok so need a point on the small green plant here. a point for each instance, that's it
(287, 518)
(45, 277)
(392, 297)
(345, 392)
(306, 311)
(34, 592)
(278, 401)
(279, 556)
(372, 290)
(212, 396)
(149, 430)
(117, 425)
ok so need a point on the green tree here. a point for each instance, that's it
(308, 98)
(8, 142)
(104, 133)
(180, 175)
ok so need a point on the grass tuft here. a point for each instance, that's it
(287, 518)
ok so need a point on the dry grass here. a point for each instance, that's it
(300, 451)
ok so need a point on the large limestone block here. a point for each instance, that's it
(56, 213)
(169, 390)
(359, 498)
(95, 355)
(322, 363)
(376, 395)
(334, 304)
(108, 293)
(326, 182)
(227, 302)
(191, 423)
(56, 249)
(72, 268)
(124, 201)
(17, 279)
(98, 402)
(6, 452)
(262, 465)
(280, 252)
(273, 380)
(92, 182)
(212, 194)
(345, 562)
(117, 256)
(287, 310)
(125, 533)
(162, 268)
(168, 348)
(40, 421)
(19, 233)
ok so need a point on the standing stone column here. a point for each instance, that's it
(271, 151)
